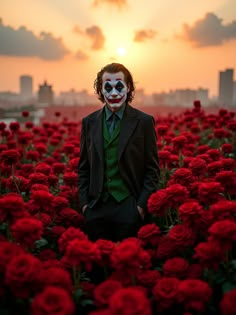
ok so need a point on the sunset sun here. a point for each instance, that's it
(121, 51)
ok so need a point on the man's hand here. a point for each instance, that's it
(84, 208)
(141, 212)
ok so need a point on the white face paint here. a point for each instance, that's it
(114, 89)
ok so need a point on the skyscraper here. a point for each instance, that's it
(226, 87)
(26, 86)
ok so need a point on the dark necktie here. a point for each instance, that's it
(114, 118)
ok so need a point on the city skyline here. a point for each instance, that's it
(170, 47)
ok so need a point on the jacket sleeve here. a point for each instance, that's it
(84, 168)
(152, 170)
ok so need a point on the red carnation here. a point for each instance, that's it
(210, 192)
(176, 267)
(176, 194)
(158, 203)
(10, 157)
(26, 231)
(182, 235)
(53, 301)
(129, 301)
(14, 126)
(70, 217)
(81, 252)
(209, 254)
(227, 304)
(104, 291)
(227, 180)
(182, 176)
(179, 142)
(105, 247)
(227, 148)
(22, 275)
(32, 155)
(223, 209)
(38, 178)
(25, 114)
(165, 293)
(194, 294)
(70, 178)
(130, 256)
(149, 234)
(190, 212)
(198, 166)
(70, 234)
(12, 207)
(58, 168)
(166, 248)
(43, 168)
(7, 252)
(148, 278)
(224, 231)
(56, 277)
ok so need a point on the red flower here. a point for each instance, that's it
(224, 231)
(47, 254)
(14, 126)
(165, 293)
(10, 157)
(26, 231)
(70, 178)
(38, 178)
(25, 114)
(195, 294)
(190, 212)
(198, 166)
(149, 234)
(56, 277)
(29, 124)
(130, 256)
(162, 130)
(81, 252)
(227, 180)
(209, 254)
(176, 194)
(166, 248)
(182, 176)
(32, 155)
(58, 168)
(129, 301)
(73, 164)
(68, 148)
(105, 247)
(43, 168)
(158, 203)
(70, 234)
(214, 154)
(22, 275)
(53, 301)
(7, 252)
(223, 209)
(104, 291)
(210, 192)
(148, 278)
(227, 304)
(227, 148)
(179, 142)
(176, 267)
(41, 197)
(182, 235)
(59, 203)
(12, 207)
(70, 217)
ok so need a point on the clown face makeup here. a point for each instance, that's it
(114, 89)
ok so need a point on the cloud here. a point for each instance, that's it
(143, 35)
(80, 55)
(96, 35)
(118, 3)
(22, 42)
(209, 31)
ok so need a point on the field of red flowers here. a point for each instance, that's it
(183, 262)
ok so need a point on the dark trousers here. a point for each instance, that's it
(112, 220)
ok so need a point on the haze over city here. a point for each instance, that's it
(166, 44)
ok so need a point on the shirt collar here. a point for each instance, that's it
(119, 113)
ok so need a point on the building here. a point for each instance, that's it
(26, 86)
(45, 94)
(226, 87)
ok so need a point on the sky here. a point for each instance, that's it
(166, 44)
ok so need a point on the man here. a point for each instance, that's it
(118, 167)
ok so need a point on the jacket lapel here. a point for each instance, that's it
(128, 125)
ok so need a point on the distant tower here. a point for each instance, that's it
(45, 94)
(26, 86)
(226, 87)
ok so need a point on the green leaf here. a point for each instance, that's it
(41, 243)
(78, 293)
(86, 302)
(228, 286)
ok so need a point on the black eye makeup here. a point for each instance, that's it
(108, 87)
(119, 86)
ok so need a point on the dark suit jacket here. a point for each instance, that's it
(137, 156)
